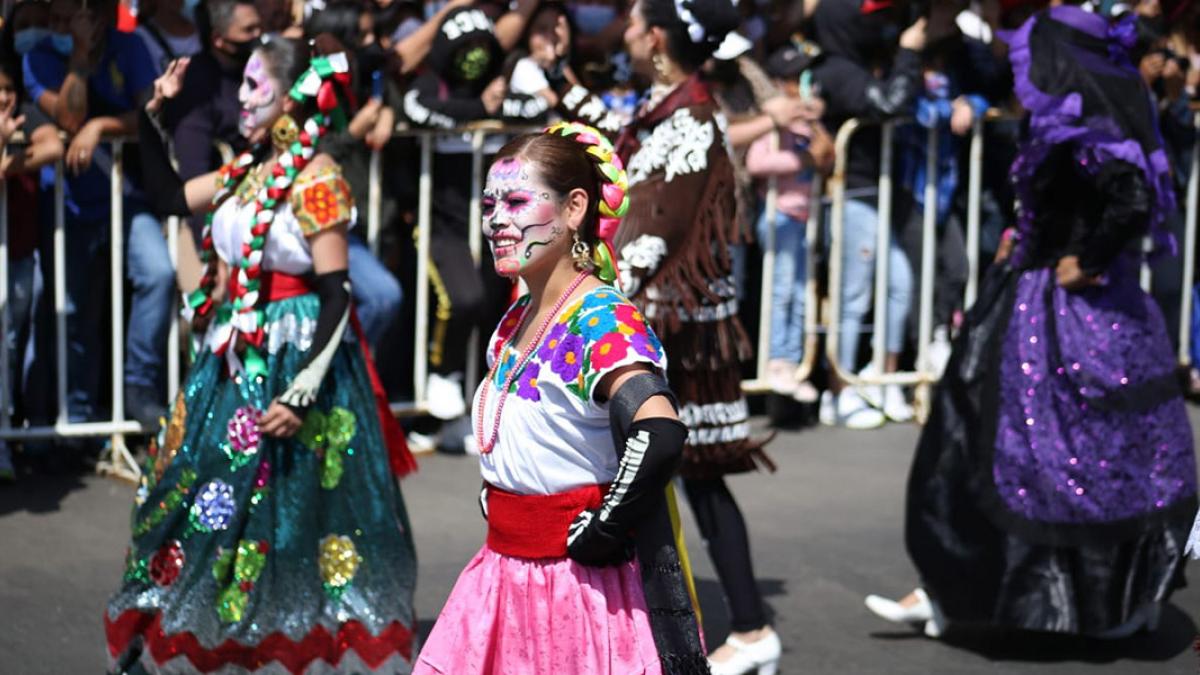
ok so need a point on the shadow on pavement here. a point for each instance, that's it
(36, 493)
(715, 611)
(1177, 633)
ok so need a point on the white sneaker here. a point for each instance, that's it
(421, 444)
(761, 657)
(895, 406)
(827, 410)
(781, 376)
(805, 392)
(871, 393)
(939, 350)
(853, 412)
(444, 395)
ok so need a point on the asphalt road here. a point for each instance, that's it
(826, 530)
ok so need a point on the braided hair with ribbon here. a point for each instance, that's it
(325, 86)
(612, 202)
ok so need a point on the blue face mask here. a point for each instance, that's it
(591, 19)
(189, 9)
(25, 40)
(434, 7)
(63, 43)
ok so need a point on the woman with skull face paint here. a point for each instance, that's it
(269, 532)
(674, 259)
(579, 437)
(460, 83)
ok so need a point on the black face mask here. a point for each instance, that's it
(242, 50)
(370, 58)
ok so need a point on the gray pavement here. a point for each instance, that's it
(826, 530)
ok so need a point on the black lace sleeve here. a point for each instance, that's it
(1123, 217)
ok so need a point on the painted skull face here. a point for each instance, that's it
(520, 217)
(261, 104)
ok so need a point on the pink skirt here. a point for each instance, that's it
(517, 616)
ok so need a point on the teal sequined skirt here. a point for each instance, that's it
(257, 554)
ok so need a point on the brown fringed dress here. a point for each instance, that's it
(674, 262)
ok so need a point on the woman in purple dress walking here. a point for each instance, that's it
(1055, 483)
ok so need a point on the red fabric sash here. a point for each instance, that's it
(535, 526)
(280, 286)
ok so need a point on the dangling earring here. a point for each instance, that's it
(284, 132)
(660, 66)
(581, 253)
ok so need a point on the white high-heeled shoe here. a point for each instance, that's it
(890, 610)
(924, 612)
(759, 658)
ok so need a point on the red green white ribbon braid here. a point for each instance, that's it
(247, 320)
(614, 191)
(199, 302)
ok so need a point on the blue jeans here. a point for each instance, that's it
(148, 268)
(21, 282)
(377, 294)
(858, 276)
(787, 286)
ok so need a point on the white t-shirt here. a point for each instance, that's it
(527, 78)
(553, 435)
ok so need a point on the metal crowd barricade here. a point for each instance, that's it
(921, 377)
(116, 459)
(119, 461)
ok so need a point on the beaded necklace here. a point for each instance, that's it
(485, 446)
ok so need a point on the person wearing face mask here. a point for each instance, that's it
(269, 532)
(90, 78)
(206, 111)
(27, 24)
(168, 27)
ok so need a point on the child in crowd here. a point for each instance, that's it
(790, 157)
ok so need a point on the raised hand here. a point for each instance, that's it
(169, 84)
(9, 125)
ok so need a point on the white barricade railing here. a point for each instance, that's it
(119, 461)
(923, 376)
(882, 247)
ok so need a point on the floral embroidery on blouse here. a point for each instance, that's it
(594, 336)
(322, 201)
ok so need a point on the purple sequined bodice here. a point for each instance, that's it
(1059, 456)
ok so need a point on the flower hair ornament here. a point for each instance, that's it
(242, 320)
(614, 192)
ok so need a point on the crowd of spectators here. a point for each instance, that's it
(70, 78)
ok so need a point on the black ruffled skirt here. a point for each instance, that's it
(985, 562)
